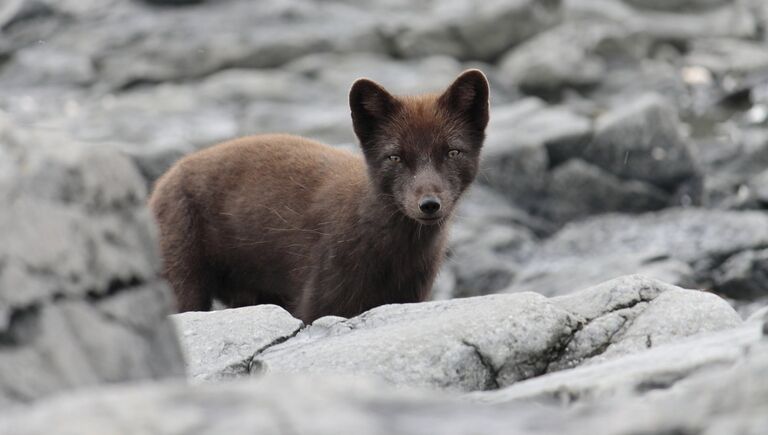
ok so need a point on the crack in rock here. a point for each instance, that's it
(23, 325)
(559, 360)
(492, 378)
(562, 346)
(22, 329)
(254, 366)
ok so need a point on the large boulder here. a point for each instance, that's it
(468, 30)
(523, 140)
(573, 54)
(489, 240)
(744, 275)
(641, 140)
(467, 344)
(680, 246)
(578, 189)
(167, 44)
(729, 18)
(713, 385)
(81, 302)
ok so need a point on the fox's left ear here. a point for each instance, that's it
(467, 97)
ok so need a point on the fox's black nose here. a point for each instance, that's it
(429, 204)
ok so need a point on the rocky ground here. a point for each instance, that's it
(626, 161)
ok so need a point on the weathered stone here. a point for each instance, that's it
(473, 31)
(656, 369)
(577, 189)
(220, 344)
(633, 313)
(677, 5)
(486, 342)
(640, 141)
(570, 55)
(679, 246)
(731, 57)
(520, 139)
(743, 276)
(484, 256)
(42, 65)
(735, 19)
(80, 298)
(460, 345)
(721, 380)
(759, 316)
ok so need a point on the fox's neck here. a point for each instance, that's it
(381, 257)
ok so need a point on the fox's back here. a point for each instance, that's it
(261, 203)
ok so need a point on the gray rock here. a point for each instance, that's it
(174, 2)
(274, 405)
(569, 55)
(577, 189)
(656, 369)
(485, 256)
(327, 123)
(743, 276)
(720, 379)
(156, 45)
(459, 345)
(679, 246)
(489, 240)
(335, 72)
(80, 298)
(759, 185)
(473, 31)
(634, 313)
(736, 179)
(734, 19)
(487, 342)
(641, 141)
(520, 138)
(220, 344)
(732, 57)
(39, 66)
(725, 400)
(677, 5)
(759, 316)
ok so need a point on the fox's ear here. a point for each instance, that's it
(371, 105)
(467, 97)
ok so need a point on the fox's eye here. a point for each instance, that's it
(395, 158)
(453, 153)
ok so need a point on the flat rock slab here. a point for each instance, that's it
(722, 401)
(219, 344)
(679, 246)
(467, 344)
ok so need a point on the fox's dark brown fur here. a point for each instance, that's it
(278, 219)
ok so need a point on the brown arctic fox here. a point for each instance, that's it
(278, 219)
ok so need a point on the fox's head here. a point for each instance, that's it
(422, 151)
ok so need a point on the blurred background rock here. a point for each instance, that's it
(599, 106)
(627, 136)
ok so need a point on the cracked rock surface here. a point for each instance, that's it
(471, 344)
(221, 344)
(289, 404)
(656, 369)
(80, 301)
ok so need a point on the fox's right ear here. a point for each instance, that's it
(371, 106)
